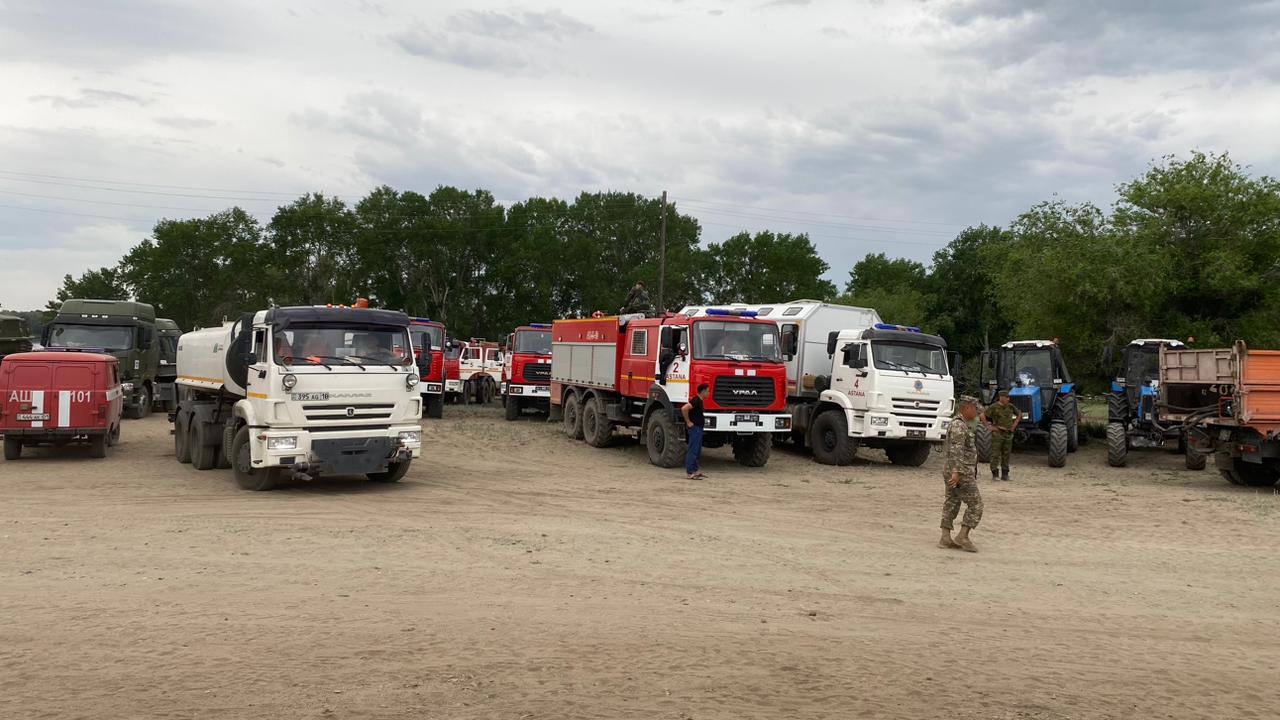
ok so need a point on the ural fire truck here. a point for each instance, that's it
(526, 370)
(635, 372)
(298, 392)
(474, 372)
(854, 381)
(428, 349)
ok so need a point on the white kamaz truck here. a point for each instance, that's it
(853, 380)
(298, 392)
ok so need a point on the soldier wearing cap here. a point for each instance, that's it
(637, 301)
(960, 477)
(1002, 418)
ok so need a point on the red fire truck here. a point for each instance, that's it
(472, 369)
(526, 370)
(59, 397)
(636, 372)
(428, 348)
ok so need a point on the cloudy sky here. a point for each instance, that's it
(873, 125)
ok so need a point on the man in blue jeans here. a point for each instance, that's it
(693, 422)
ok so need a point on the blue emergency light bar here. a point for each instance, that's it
(539, 325)
(100, 351)
(732, 313)
(414, 319)
(889, 326)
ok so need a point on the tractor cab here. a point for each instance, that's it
(1139, 374)
(1036, 378)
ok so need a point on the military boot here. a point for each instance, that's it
(1004, 473)
(995, 474)
(962, 540)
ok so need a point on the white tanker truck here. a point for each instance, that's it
(297, 392)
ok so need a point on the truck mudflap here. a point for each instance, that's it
(352, 456)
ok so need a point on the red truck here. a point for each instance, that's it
(637, 372)
(526, 370)
(428, 349)
(60, 397)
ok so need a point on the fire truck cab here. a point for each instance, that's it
(428, 350)
(60, 397)
(526, 370)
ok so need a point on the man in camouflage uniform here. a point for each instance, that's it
(1002, 417)
(960, 476)
(637, 301)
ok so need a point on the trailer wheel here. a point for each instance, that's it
(752, 450)
(596, 428)
(981, 440)
(247, 476)
(913, 454)
(572, 416)
(665, 443)
(395, 471)
(204, 456)
(1194, 458)
(1058, 445)
(1226, 467)
(512, 407)
(1253, 475)
(830, 438)
(12, 448)
(98, 445)
(181, 440)
(435, 406)
(1117, 444)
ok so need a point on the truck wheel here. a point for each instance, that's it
(464, 397)
(752, 450)
(1117, 444)
(113, 438)
(247, 476)
(665, 442)
(435, 406)
(1194, 458)
(1226, 467)
(181, 440)
(98, 445)
(12, 448)
(981, 440)
(226, 447)
(1253, 475)
(203, 456)
(913, 454)
(1117, 408)
(395, 471)
(830, 438)
(596, 428)
(572, 416)
(1058, 440)
(512, 407)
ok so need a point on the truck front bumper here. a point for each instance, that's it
(453, 386)
(888, 426)
(432, 388)
(747, 422)
(529, 391)
(345, 452)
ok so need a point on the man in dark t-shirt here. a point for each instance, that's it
(694, 420)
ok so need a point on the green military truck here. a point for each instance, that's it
(167, 333)
(122, 328)
(15, 335)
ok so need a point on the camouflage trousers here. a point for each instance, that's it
(966, 492)
(1001, 448)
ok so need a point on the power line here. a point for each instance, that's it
(757, 216)
(936, 246)
(104, 202)
(151, 185)
(822, 214)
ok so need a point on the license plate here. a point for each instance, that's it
(915, 433)
(753, 418)
(33, 416)
(308, 397)
(541, 390)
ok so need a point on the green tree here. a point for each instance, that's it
(962, 303)
(313, 251)
(102, 284)
(765, 267)
(877, 271)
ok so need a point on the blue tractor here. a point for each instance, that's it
(1143, 414)
(1036, 378)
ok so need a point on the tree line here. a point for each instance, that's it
(1189, 249)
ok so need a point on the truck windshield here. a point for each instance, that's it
(427, 336)
(1032, 367)
(911, 357)
(537, 342)
(307, 344)
(727, 340)
(107, 337)
(1144, 366)
(169, 346)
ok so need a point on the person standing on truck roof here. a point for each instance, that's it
(693, 427)
(1002, 417)
(637, 301)
(960, 476)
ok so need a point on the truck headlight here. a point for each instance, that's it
(782, 423)
(411, 380)
(127, 387)
(408, 437)
(289, 381)
(284, 442)
(515, 390)
(879, 422)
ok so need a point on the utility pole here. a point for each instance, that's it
(662, 259)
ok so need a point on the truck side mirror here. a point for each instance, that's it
(831, 342)
(249, 358)
(683, 350)
(790, 339)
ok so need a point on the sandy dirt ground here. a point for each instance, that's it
(517, 574)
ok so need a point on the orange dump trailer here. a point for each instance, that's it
(1244, 431)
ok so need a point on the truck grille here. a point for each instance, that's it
(537, 372)
(1023, 403)
(358, 411)
(743, 392)
(919, 407)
